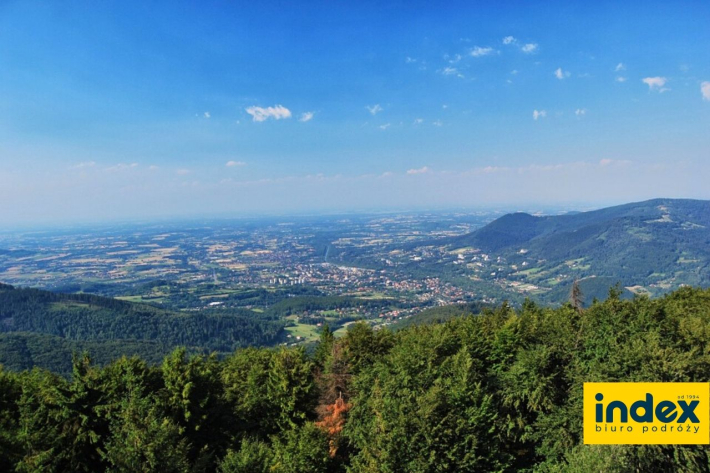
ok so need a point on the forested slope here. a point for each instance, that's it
(500, 391)
(91, 322)
(660, 243)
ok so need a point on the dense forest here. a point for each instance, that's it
(498, 391)
(41, 328)
(89, 318)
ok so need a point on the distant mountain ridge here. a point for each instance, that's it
(659, 244)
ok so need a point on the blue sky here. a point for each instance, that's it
(140, 109)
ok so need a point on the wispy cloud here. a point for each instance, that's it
(374, 109)
(656, 83)
(207, 115)
(452, 59)
(260, 114)
(492, 169)
(705, 90)
(620, 67)
(385, 126)
(560, 74)
(306, 117)
(621, 79)
(422, 170)
(182, 172)
(452, 71)
(438, 123)
(479, 51)
(539, 114)
(509, 40)
(233, 164)
(418, 121)
(617, 162)
(549, 168)
(580, 112)
(84, 165)
(121, 167)
(529, 48)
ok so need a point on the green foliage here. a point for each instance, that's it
(290, 387)
(325, 346)
(10, 392)
(22, 351)
(303, 449)
(498, 391)
(41, 328)
(143, 438)
(439, 315)
(253, 456)
(362, 346)
(193, 396)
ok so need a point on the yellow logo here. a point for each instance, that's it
(646, 413)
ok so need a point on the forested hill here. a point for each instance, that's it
(499, 391)
(662, 242)
(69, 321)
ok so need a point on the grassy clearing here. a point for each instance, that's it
(305, 331)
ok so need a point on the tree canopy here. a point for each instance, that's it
(497, 391)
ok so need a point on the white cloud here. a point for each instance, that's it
(85, 164)
(621, 79)
(479, 51)
(620, 67)
(529, 48)
(306, 116)
(616, 162)
(509, 40)
(580, 112)
(182, 172)
(153, 167)
(491, 169)
(410, 60)
(452, 59)
(418, 121)
(560, 74)
(423, 170)
(539, 114)
(374, 109)
(121, 167)
(655, 83)
(438, 123)
(207, 115)
(385, 126)
(450, 71)
(232, 164)
(260, 114)
(705, 90)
